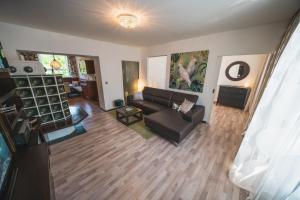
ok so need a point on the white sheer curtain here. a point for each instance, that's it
(268, 161)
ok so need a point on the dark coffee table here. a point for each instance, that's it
(129, 115)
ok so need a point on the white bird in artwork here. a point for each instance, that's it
(184, 74)
(191, 66)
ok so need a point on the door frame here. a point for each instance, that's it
(166, 68)
(122, 64)
(101, 100)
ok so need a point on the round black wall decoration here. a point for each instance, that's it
(12, 69)
(28, 69)
(237, 71)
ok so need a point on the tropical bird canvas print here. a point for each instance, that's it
(187, 71)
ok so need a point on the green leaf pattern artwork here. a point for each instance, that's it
(187, 70)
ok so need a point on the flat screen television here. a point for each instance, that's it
(5, 163)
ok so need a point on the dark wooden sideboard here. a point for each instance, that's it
(89, 89)
(233, 96)
(34, 180)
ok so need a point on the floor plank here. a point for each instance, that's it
(111, 161)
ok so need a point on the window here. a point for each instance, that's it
(82, 67)
(46, 59)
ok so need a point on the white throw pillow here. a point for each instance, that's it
(175, 106)
(186, 106)
(138, 96)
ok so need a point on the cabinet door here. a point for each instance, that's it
(90, 68)
(83, 85)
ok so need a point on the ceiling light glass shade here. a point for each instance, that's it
(128, 20)
(55, 64)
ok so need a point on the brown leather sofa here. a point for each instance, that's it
(162, 119)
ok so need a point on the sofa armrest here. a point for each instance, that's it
(129, 100)
(195, 115)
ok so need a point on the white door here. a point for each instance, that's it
(157, 72)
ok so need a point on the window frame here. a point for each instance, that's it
(64, 70)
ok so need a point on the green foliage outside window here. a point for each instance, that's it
(82, 67)
(46, 59)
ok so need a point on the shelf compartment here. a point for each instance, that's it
(67, 112)
(28, 103)
(63, 97)
(49, 80)
(60, 123)
(21, 82)
(42, 101)
(65, 105)
(59, 80)
(31, 112)
(36, 81)
(61, 88)
(54, 99)
(46, 118)
(24, 93)
(51, 90)
(56, 107)
(58, 115)
(40, 91)
(44, 110)
(44, 96)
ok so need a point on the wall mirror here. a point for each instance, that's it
(237, 71)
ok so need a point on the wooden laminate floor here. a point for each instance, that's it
(111, 161)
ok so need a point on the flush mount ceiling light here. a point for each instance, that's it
(128, 21)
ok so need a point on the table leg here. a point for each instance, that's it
(127, 120)
(119, 116)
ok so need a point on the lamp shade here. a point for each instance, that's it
(55, 64)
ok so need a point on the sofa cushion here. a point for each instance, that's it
(138, 96)
(178, 98)
(137, 103)
(162, 101)
(148, 107)
(163, 97)
(169, 123)
(195, 115)
(151, 107)
(148, 93)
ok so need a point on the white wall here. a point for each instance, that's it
(14, 37)
(255, 40)
(256, 64)
(157, 72)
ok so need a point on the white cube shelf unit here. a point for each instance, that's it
(43, 96)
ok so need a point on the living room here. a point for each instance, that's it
(159, 123)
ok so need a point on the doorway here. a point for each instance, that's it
(87, 74)
(157, 71)
(81, 73)
(130, 70)
(239, 73)
(239, 79)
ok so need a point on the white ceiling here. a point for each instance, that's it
(161, 20)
